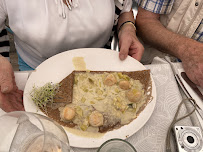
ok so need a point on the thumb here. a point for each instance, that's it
(6, 75)
(124, 49)
(6, 82)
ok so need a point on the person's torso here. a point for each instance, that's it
(41, 32)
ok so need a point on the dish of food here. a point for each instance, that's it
(95, 105)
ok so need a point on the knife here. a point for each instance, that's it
(191, 84)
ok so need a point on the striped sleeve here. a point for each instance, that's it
(156, 6)
(198, 35)
(4, 44)
(119, 4)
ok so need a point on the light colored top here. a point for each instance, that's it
(44, 28)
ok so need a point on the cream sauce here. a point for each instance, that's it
(84, 133)
(79, 63)
(90, 94)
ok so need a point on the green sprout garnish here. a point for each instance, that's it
(42, 96)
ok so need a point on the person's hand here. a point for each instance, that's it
(129, 43)
(12, 101)
(10, 95)
(192, 60)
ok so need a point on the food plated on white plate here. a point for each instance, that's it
(95, 101)
(83, 107)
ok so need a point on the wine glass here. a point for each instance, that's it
(30, 132)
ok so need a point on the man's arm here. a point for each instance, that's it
(150, 29)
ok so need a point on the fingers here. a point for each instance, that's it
(17, 102)
(199, 77)
(130, 45)
(16, 99)
(137, 56)
(6, 82)
(12, 101)
(10, 96)
(200, 83)
(137, 52)
(196, 79)
(124, 49)
(194, 74)
(6, 106)
(6, 75)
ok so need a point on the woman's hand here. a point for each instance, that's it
(10, 95)
(129, 43)
(12, 101)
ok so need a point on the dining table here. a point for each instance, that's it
(152, 136)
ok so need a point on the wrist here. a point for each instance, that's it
(187, 47)
(127, 23)
(127, 27)
(177, 45)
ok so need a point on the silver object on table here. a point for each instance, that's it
(180, 83)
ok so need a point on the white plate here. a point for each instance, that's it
(59, 66)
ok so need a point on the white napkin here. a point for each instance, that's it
(21, 79)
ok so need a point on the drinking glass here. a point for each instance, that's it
(31, 132)
(116, 145)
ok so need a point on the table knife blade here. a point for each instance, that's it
(191, 84)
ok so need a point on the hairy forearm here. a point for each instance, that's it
(154, 33)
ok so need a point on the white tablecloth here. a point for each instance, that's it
(151, 137)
